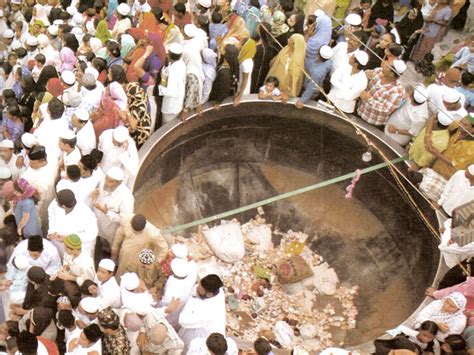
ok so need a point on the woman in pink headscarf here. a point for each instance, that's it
(25, 210)
(68, 59)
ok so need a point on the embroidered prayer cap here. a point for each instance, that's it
(147, 256)
(73, 241)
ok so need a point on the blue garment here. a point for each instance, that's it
(321, 36)
(318, 72)
(33, 226)
(464, 57)
(112, 6)
(216, 30)
(468, 94)
(252, 17)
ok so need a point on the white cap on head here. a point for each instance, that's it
(6, 143)
(8, 34)
(180, 267)
(82, 114)
(445, 118)
(116, 173)
(16, 2)
(93, 71)
(107, 264)
(53, 30)
(67, 134)
(399, 66)
(58, 22)
(470, 169)
(90, 304)
(68, 77)
(190, 30)
(180, 251)
(43, 40)
(71, 10)
(326, 52)
(361, 57)
(451, 96)
(319, 13)
(205, 3)
(130, 281)
(32, 41)
(21, 262)
(78, 19)
(121, 134)
(175, 48)
(28, 140)
(353, 20)
(5, 173)
(420, 94)
(123, 9)
(71, 98)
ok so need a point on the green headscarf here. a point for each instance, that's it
(102, 31)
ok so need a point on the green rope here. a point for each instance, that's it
(280, 197)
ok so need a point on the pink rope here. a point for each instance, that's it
(350, 188)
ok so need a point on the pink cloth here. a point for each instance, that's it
(117, 93)
(68, 59)
(466, 288)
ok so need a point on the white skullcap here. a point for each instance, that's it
(399, 66)
(361, 57)
(130, 281)
(326, 52)
(190, 30)
(71, 10)
(68, 77)
(175, 48)
(116, 173)
(21, 262)
(180, 267)
(90, 304)
(319, 13)
(5, 173)
(71, 98)
(123, 9)
(8, 34)
(67, 134)
(470, 169)
(107, 264)
(420, 94)
(445, 118)
(43, 40)
(28, 140)
(16, 2)
(58, 22)
(121, 134)
(451, 96)
(353, 20)
(205, 3)
(53, 30)
(78, 18)
(77, 31)
(15, 45)
(82, 114)
(93, 71)
(31, 41)
(6, 143)
(180, 251)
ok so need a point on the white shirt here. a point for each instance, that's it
(77, 188)
(140, 303)
(109, 293)
(47, 135)
(346, 88)
(120, 205)
(173, 92)
(124, 158)
(12, 166)
(87, 186)
(85, 138)
(52, 56)
(137, 7)
(91, 98)
(198, 347)
(179, 288)
(458, 191)
(72, 158)
(79, 350)
(42, 179)
(121, 27)
(340, 56)
(48, 260)
(246, 67)
(202, 317)
(435, 96)
(408, 116)
(81, 267)
(70, 336)
(81, 221)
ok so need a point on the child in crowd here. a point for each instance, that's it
(467, 89)
(216, 29)
(270, 90)
(40, 61)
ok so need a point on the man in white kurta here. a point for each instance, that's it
(436, 91)
(78, 265)
(119, 151)
(204, 312)
(217, 342)
(8, 158)
(458, 191)
(39, 252)
(114, 203)
(68, 216)
(108, 290)
(85, 134)
(348, 82)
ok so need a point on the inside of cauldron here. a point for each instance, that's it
(374, 240)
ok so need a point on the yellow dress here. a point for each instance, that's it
(418, 152)
(460, 151)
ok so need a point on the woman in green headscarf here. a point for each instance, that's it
(102, 31)
(127, 43)
(246, 54)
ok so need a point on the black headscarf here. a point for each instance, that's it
(42, 317)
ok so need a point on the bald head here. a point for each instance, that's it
(452, 77)
(158, 334)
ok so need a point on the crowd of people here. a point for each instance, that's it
(85, 83)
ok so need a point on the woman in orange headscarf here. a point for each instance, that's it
(236, 34)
